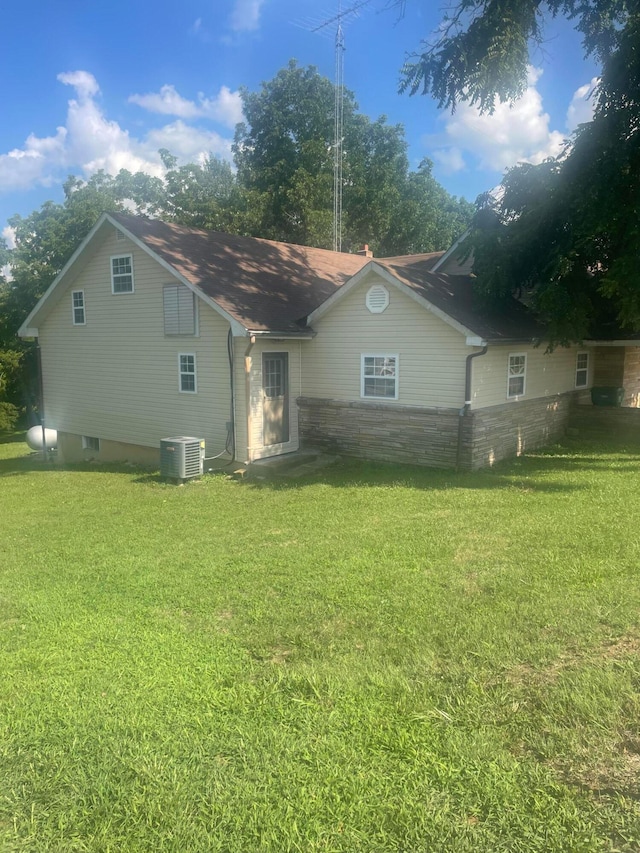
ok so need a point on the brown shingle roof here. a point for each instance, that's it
(454, 295)
(266, 286)
(269, 286)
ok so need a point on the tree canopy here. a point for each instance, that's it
(565, 232)
(284, 155)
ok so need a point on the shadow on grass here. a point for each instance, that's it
(539, 472)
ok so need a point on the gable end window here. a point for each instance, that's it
(379, 376)
(582, 370)
(187, 372)
(516, 375)
(77, 308)
(122, 274)
(179, 310)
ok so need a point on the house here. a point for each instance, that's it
(154, 330)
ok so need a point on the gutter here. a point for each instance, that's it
(41, 395)
(292, 336)
(467, 398)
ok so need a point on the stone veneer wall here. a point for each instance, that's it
(606, 422)
(631, 377)
(417, 436)
(429, 436)
(514, 428)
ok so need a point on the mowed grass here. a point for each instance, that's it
(372, 659)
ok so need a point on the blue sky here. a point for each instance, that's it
(88, 85)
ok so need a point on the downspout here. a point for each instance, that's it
(41, 395)
(247, 382)
(231, 432)
(467, 400)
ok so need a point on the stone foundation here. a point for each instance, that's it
(606, 422)
(429, 436)
(511, 429)
(70, 449)
(386, 433)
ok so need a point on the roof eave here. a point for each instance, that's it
(302, 335)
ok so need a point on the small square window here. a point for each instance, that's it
(187, 372)
(122, 274)
(77, 308)
(582, 370)
(516, 375)
(90, 442)
(379, 376)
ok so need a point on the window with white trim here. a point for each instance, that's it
(77, 308)
(179, 310)
(187, 371)
(516, 374)
(582, 369)
(90, 442)
(379, 376)
(122, 274)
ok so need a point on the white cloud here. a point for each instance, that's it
(582, 105)
(9, 235)
(89, 141)
(189, 144)
(511, 134)
(246, 15)
(225, 108)
(84, 83)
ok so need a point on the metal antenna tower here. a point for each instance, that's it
(338, 138)
(338, 135)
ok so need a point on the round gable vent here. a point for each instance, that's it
(377, 298)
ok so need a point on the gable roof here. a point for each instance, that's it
(454, 295)
(264, 285)
(272, 287)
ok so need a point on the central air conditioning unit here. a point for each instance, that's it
(181, 457)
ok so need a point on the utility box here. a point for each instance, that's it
(607, 395)
(181, 457)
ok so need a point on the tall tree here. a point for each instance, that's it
(284, 154)
(567, 230)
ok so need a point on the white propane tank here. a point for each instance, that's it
(34, 438)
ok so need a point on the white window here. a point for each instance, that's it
(90, 442)
(582, 370)
(179, 310)
(379, 376)
(516, 375)
(77, 307)
(122, 274)
(187, 369)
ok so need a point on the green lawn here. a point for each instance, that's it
(371, 659)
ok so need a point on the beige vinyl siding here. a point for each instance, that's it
(431, 354)
(257, 396)
(257, 449)
(117, 376)
(546, 373)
